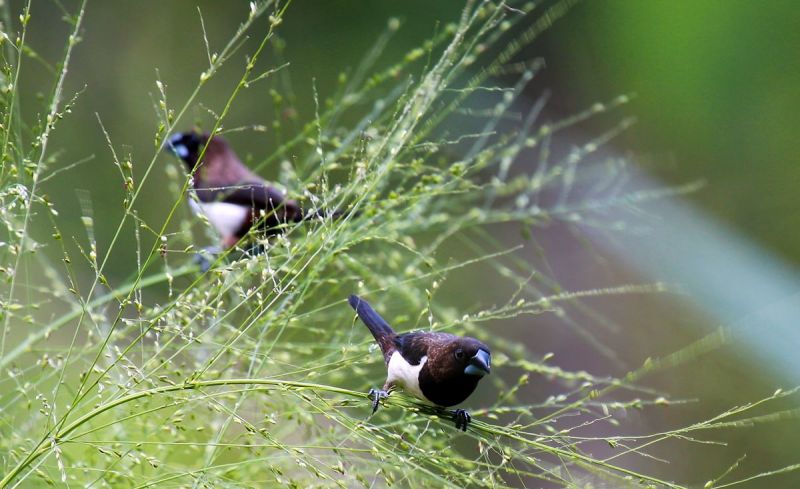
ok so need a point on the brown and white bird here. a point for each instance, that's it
(439, 368)
(232, 197)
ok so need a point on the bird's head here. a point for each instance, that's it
(187, 146)
(470, 356)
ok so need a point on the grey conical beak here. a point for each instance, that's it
(479, 364)
(176, 146)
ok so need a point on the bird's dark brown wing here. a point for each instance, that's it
(414, 346)
(258, 196)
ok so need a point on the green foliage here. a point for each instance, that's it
(255, 372)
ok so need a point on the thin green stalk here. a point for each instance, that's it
(42, 142)
(117, 294)
(83, 390)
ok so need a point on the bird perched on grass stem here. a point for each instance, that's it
(233, 198)
(439, 368)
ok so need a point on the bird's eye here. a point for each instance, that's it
(460, 354)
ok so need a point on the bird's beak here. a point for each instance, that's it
(479, 364)
(174, 146)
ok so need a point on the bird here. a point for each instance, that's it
(438, 368)
(233, 198)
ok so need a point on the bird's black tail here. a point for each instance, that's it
(380, 329)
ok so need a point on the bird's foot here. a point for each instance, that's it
(205, 257)
(462, 419)
(376, 395)
(254, 250)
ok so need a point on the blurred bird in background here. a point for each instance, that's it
(233, 198)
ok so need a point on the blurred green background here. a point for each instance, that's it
(716, 83)
(717, 99)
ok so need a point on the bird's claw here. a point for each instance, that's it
(255, 250)
(202, 261)
(376, 395)
(462, 419)
(205, 257)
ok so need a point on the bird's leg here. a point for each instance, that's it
(255, 249)
(462, 419)
(206, 256)
(377, 394)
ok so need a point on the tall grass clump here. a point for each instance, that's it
(255, 372)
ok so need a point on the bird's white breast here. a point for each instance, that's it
(226, 218)
(406, 375)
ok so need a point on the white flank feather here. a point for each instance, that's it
(406, 375)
